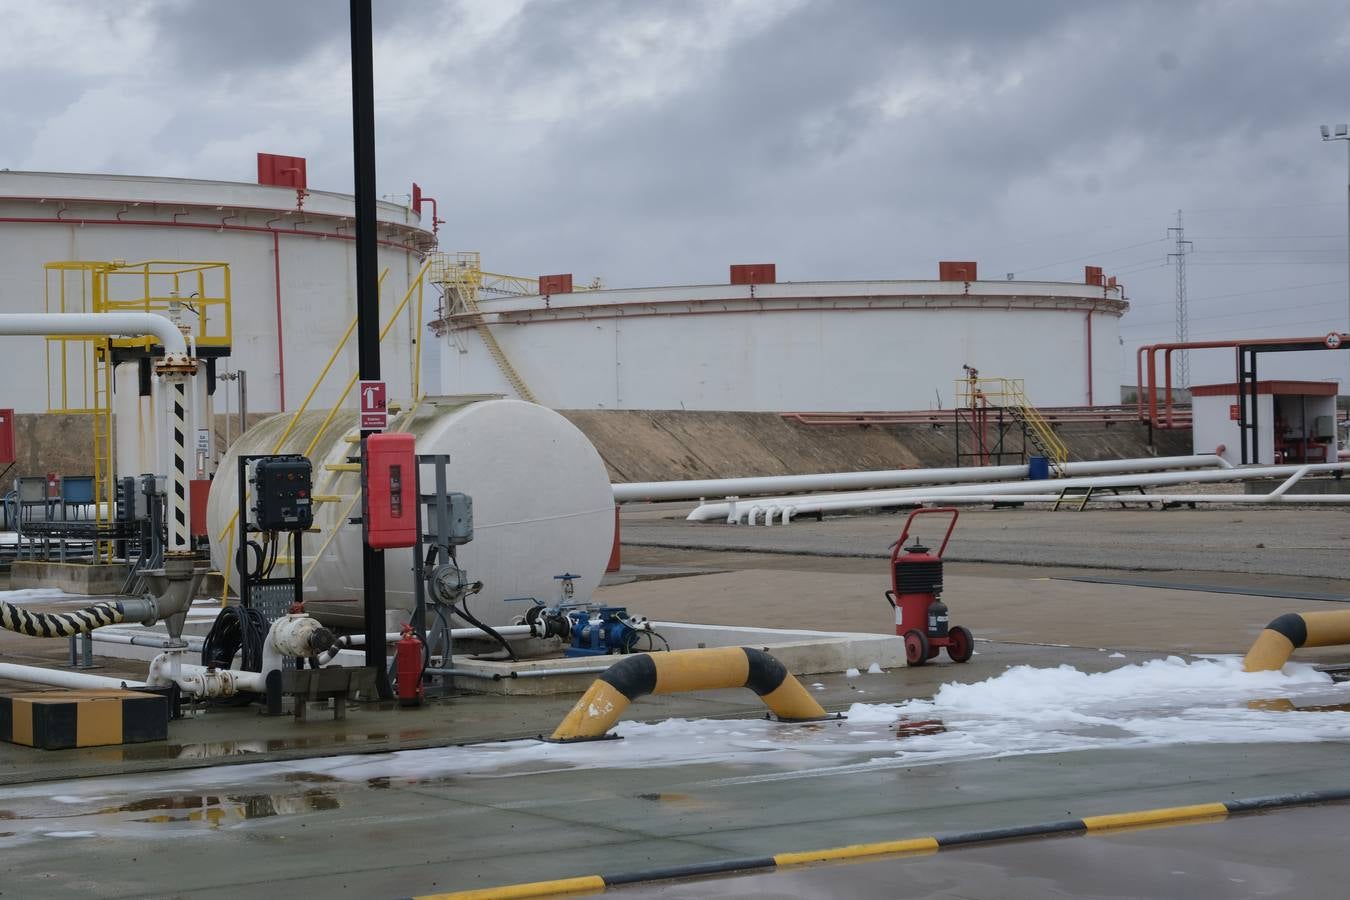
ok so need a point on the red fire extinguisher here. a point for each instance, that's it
(408, 659)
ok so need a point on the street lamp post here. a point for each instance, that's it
(1342, 133)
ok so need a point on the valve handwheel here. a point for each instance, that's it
(916, 648)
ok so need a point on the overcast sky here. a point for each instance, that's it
(655, 143)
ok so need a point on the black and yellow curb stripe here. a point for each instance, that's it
(59, 720)
(1148, 818)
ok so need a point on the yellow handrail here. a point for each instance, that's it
(318, 382)
(226, 535)
(1010, 393)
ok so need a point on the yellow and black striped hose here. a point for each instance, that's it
(56, 625)
(686, 670)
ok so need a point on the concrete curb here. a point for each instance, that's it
(1147, 818)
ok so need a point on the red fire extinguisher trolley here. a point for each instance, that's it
(921, 618)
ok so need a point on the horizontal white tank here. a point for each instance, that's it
(542, 505)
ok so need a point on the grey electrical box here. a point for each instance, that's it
(1324, 428)
(461, 518)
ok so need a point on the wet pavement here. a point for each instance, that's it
(1236, 859)
(386, 804)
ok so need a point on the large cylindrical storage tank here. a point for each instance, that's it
(542, 505)
(839, 346)
(292, 271)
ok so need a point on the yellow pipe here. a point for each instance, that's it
(685, 670)
(1288, 632)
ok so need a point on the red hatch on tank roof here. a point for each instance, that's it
(282, 171)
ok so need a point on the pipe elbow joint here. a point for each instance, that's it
(139, 609)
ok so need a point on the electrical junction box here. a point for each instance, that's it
(283, 488)
(461, 518)
(389, 482)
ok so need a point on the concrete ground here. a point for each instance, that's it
(1234, 859)
(422, 821)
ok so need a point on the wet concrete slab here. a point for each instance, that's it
(279, 833)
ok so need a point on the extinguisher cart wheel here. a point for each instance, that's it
(916, 648)
(960, 644)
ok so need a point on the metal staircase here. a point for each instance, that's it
(1009, 395)
(459, 278)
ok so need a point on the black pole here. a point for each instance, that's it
(367, 303)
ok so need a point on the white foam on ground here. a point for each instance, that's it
(39, 595)
(1021, 711)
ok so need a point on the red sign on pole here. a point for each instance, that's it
(374, 406)
(1234, 412)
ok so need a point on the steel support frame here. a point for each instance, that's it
(1249, 435)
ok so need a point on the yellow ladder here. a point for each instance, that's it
(1010, 394)
(1042, 434)
(103, 447)
(460, 279)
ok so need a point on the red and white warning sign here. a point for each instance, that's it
(374, 406)
(1333, 340)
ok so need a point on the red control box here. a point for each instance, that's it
(391, 491)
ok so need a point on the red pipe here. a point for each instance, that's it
(281, 353)
(1152, 349)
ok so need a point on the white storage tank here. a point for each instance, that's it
(542, 505)
(769, 346)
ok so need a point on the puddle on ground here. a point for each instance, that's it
(212, 809)
(227, 749)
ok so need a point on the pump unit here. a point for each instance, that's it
(921, 618)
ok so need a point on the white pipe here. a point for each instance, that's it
(59, 678)
(979, 499)
(359, 640)
(125, 324)
(162, 641)
(825, 481)
(910, 496)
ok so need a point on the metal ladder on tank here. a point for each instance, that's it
(1009, 394)
(335, 470)
(459, 279)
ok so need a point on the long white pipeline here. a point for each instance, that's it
(775, 507)
(125, 324)
(824, 481)
(980, 499)
(59, 678)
